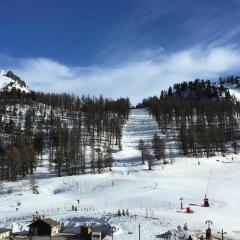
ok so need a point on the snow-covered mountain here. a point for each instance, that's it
(150, 197)
(9, 80)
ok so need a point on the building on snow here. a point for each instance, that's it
(5, 233)
(44, 227)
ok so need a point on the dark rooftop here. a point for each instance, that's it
(49, 221)
(3, 230)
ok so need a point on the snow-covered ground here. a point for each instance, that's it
(139, 126)
(152, 197)
(235, 92)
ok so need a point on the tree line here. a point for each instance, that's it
(152, 152)
(202, 118)
(75, 134)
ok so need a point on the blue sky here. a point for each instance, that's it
(118, 48)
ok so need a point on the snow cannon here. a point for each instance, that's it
(189, 210)
(206, 202)
(208, 230)
(208, 233)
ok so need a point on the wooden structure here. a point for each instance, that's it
(44, 227)
(95, 232)
(5, 233)
(85, 231)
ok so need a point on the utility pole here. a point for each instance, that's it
(139, 231)
(181, 199)
(222, 233)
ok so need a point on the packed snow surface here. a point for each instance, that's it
(151, 197)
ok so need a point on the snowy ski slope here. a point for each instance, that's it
(151, 194)
(139, 126)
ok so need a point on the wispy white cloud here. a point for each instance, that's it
(145, 76)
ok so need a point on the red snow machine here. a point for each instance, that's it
(208, 233)
(189, 210)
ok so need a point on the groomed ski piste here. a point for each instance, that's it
(151, 197)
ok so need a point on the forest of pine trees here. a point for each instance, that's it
(233, 80)
(152, 153)
(75, 134)
(78, 134)
(201, 118)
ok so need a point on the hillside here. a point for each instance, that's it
(82, 160)
(9, 81)
(201, 118)
(77, 134)
(152, 195)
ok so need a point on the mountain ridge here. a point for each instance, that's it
(10, 81)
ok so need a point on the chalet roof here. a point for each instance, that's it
(104, 229)
(96, 229)
(49, 221)
(3, 230)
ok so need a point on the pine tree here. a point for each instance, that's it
(141, 148)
